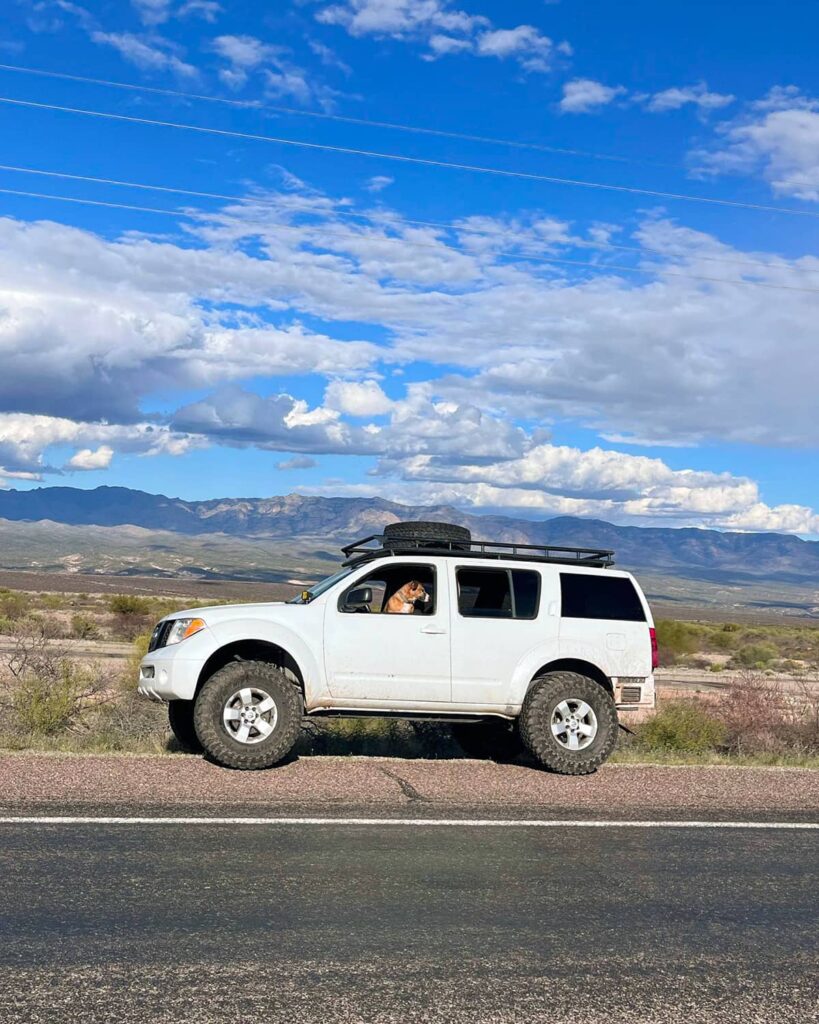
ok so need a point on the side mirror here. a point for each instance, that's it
(361, 597)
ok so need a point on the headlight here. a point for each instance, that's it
(182, 629)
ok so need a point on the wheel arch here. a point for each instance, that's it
(250, 649)
(584, 668)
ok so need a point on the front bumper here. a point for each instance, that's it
(172, 673)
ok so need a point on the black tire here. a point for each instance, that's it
(535, 722)
(430, 533)
(180, 716)
(494, 739)
(213, 733)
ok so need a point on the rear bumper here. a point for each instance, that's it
(634, 693)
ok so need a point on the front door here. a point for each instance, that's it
(389, 651)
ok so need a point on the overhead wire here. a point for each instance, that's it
(404, 158)
(324, 115)
(379, 219)
(332, 228)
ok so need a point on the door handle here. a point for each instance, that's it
(433, 629)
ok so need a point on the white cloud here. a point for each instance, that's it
(584, 95)
(153, 12)
(297, 462)
(694, 95)
(246, 55)
(379, 182)
(777, 137)
(88, 458)
(24, 439)
(357, 398)
(444, 30)
(151, 53)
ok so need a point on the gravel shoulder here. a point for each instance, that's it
(58, 784)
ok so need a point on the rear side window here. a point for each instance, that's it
(599, 597)
(498, 593)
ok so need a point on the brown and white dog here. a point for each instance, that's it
(403, 600)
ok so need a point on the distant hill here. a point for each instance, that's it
(317, 524)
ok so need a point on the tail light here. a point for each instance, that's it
(655, 651)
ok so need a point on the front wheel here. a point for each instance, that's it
(568, 723)
(180, 717)
(248, 715)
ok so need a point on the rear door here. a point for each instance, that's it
(602, 615)
(498, 615)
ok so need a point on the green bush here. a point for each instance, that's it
(675, 640)
(129, 604)
(755, 655)
(682, 726)
(14, 605)
(46, 705)
(84, 627)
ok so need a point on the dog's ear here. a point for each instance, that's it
(414, 586)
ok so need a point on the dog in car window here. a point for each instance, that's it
(404, 600)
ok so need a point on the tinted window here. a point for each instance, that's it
(599, 597)
(498, 593)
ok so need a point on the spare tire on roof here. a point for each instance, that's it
(428, 534)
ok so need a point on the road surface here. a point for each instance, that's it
(157, 919)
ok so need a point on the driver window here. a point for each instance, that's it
(392, 590)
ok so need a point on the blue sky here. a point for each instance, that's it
(347, 323)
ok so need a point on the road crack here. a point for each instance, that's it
(409, 791)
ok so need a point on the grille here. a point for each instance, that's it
(159, 637)
(630, 694)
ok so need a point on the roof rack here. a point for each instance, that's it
(364, 551)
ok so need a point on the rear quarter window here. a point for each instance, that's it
(599, 597)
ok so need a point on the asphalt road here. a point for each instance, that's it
(399, 923)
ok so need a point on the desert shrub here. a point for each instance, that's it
(683, 726)
(44, 692)
(138, 651)
(128, 604)
(6, 625)
(761, 716)
(755, 655)
(84, 627)
(14, 605)
(675, 640)
(51, 602)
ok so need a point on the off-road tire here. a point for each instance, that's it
(210, 702)
(493, 739)
(180, 717)
(431, 533)
(545, 693)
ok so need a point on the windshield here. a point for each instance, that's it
(319, 588)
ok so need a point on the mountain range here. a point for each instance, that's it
(314, 524)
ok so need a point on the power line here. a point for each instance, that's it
(374, 218)
(198, 215)
(402, 158)
(325, 116)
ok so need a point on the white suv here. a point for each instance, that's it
(511, 643)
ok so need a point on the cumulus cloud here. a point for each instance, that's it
(92, 327)
(445, 30)
(584, 95)
(777, 137)
(88, 458)
(379, 182)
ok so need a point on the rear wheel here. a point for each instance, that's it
(180, 716)
(493, 738)
(568, 723)
(248, 715)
